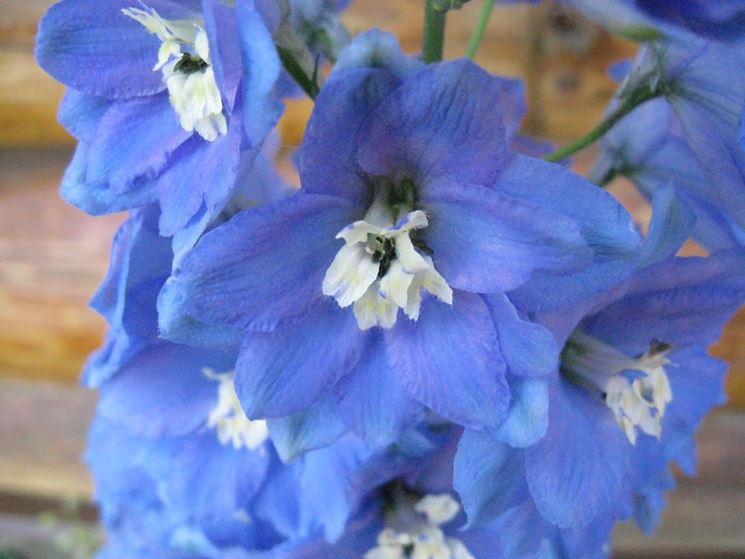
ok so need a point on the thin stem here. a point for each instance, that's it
(434, 32)
(478, 32)
(308, 83)
(628, 104)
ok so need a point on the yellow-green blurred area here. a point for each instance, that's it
(52, 257)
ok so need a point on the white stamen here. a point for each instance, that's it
(193, 93)
(228, 419)
(638, 401)
(425, 540)
(354, 275)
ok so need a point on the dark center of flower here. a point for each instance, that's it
(384, 252)
(190, 64)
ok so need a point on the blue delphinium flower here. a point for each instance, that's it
(720, 20)
(170, 419)
(165, 106)
(715, 19)
(633, 383)
(650, 147)
(704, 82)
(410, 202)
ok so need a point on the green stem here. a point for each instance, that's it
(478, 31)
(293, 68)
(628, 104)
(434, 32)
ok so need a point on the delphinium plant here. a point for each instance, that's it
(444, 344)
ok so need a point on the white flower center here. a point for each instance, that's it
(426, 539)
(228, 419)
(636, 390)
(381, 269)
(184, 60)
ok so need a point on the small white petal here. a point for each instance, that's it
(350, 275)
(411, 260)
(413, 220)
(358, 231)
(439, 509)
(395, 284)
(373, 310)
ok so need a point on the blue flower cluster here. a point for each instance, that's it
(441, 345)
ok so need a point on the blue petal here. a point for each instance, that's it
(80, 114)
(265, 264)
(210, 481)
(326, 487)
(527, 418)
(697, 384)
(376, 49)
(604, 224)
(221, 26)
(434, 126)
(261, 70)
(328, 162)
(91, 46)
(489, 477)
(529, 349)
(315, 427)
(96, 197)
(717, 19)
(140, 263)
(134, 140)
(485, 242)
(672, 223)
(711, 81)
(175, 323)
(285, 371)
(372, 401)
(681, 301)
(163, 390)
(202, 174)
(575, 473)
(449, 360)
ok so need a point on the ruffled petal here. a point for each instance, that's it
(91, 46)
(485, 242)
(372, 401)
(576, 471)
(330, 167)
(449, 360)
(282, 372)
(265, 264)
(489, 477)
(434, 126)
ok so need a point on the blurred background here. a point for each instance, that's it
(52, 257)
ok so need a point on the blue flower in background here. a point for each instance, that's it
(722, 20)
(633, 383)
(164, 106)
(704, 82)
(715, 19)
(367, 285)
(650, 147)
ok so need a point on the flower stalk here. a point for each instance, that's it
(435, 13)
(478, 32)
(626, 105)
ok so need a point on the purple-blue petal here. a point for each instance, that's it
(371, 399)
(282, 372)
(576, 472)
(486, 242)
(449, 360)
(434, 125)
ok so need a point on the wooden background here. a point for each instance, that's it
(52, 257)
